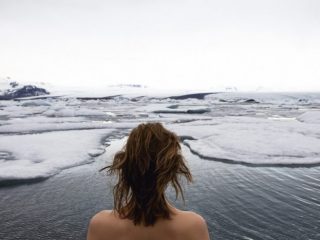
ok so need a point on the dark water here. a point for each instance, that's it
(238, 202)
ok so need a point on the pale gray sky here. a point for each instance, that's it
(273, 44)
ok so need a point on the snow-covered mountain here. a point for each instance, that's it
(10, 89)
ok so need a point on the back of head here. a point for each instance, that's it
(148, 163)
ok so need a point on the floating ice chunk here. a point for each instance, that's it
(264, 142)
(189, 111)
(273, 98)
(110, 114)
(96, 152)
(174, 109)
(35, 103)
(200, 95)
(29, 127)
(310, 117)
(42, 155)
(71, 112)
(12, 110)
(24, 169)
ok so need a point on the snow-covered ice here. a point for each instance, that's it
(45, 154)
(257, 141)
(310, 117)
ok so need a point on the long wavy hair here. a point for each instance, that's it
(150, 160)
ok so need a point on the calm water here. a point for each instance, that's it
(238, 202)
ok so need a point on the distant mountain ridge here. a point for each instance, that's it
(10, 89)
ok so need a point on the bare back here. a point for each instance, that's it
(184, 225)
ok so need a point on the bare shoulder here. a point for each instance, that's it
(102, 218)
(194, 224)
(193, 217)
(101, 226)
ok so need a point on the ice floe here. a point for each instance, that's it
(255, 141)
(43, 155)
(265, 98)
(310, 117)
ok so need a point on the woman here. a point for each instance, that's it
(149, 162)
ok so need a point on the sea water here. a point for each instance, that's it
(255, 160)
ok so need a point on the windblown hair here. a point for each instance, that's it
(147, 164)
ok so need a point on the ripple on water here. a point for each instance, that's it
(238, 202)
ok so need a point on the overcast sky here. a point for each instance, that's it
(249, 44)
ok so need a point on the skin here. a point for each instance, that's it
(184, 225)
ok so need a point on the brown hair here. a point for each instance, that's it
(147, 164)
